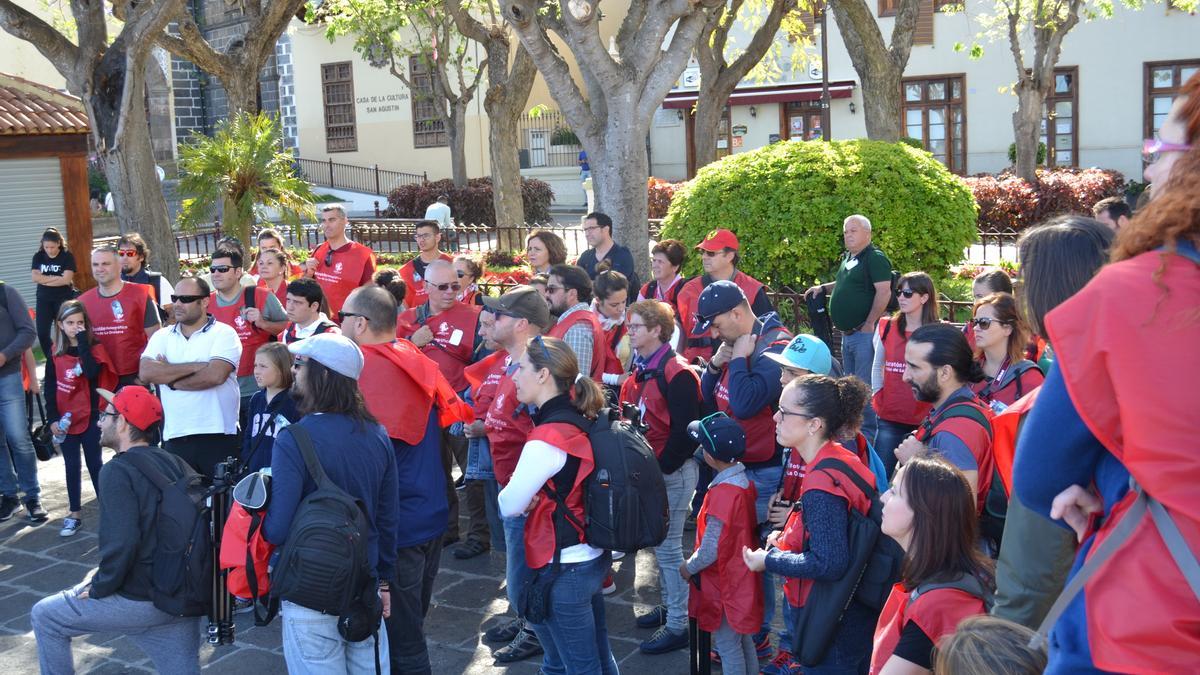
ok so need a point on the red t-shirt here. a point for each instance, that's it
(350, 266)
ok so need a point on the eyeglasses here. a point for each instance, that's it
(453, 286)
(423, 237)
(985, 323)
(342, 316)
(127, 253)
(1153, 148)
(589, 229)
(186, 299)
(709, 254)
(908, 293)
(631, 327)
(786, 413)
(299, 362)
(220, 269)
(460, 273)
(105, 413)
(551, 289)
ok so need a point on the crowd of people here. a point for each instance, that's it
(1041, 446)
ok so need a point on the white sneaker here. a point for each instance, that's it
(617, 555)
(70, 527)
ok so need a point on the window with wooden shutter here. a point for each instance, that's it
(337, 85)
(934, 111)
(429, 131)
(1060, 123)
(1163, 80)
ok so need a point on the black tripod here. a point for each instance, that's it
(220, 613)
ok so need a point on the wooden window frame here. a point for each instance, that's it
(785, 126)
(435, 135)
(333, 145)
(888, 8)
(1048, 118)
(1149, 92)
(949, 102)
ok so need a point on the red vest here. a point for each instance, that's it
(600, 364)
(396, 377)
(651, 291)
(727, 587)
(1005, 428)
(507, 428)
(612, 340)
(938, 613)
(1130, 369)
(119, 324)
(1022, 378)
(352, 265)
(251, 336)
(453, 342)
(760, 429)
(74, 392)
(689, 300)
(970, 433)
(415, 294)
(644, 391)
(540, 539)
(484, 377)
(795, 535)
(895, 402)
(280, 294)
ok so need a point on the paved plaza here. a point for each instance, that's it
(35, 562)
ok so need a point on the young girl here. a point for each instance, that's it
(930, 512)
(1000, 339)
(80, 366)
(271, 407)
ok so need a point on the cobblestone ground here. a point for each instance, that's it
(35, 562)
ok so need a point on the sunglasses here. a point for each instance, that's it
(342, 316)
(709, 254)
(127, 253)
(908, 293)
(329, 258)
(986, 323)
(220, 269)
(1153, 148)
(539, 342)
(186, 299)
(461, 274)
(453, 286)
(299, 362)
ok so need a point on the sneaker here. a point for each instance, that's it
(609, 586)
(523, 646)
(689, 523)
(665, 640)
(617, 555)
(762, 645)
(242, 605)
(470, 548)
(9, 506)
(37, 514)
(70, 527)
(504, 632)
(783, 664)
(654, 618)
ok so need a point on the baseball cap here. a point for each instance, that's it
(720, 436)
(521, 302)
(718, 297)
(136, 404)
(719, 240)
(336, 352)
(807, 352)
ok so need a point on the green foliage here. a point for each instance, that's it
(913, 142)
(471, 204)
(786, 203)
(245, 167)
(564, 136)
(1041, 154)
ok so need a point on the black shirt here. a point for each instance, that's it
(54, 267)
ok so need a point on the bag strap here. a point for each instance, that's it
(1176, 545)
(961, 407)
(869, 491)
(967, 583)
(309, 453)
(143, 464)
(248, 296)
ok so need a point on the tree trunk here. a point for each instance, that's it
(241, 90)
(457, 135)
(704, 130)
(1027, 128)
(619, 177)
(506, 179)
(881, 100)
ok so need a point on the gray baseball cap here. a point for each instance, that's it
(336, 352)
(522, 302)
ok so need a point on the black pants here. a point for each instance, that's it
(454, 450)
(46, 310)
(204, 451)
(416, 570)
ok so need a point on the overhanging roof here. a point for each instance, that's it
(774, 93)
(31, 109)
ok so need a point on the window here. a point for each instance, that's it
(802, 120)
(1061, 120)
(1163, 81)
(724, 135)
(890, 7)
(429, 131)
(935, 113)
(337, 83)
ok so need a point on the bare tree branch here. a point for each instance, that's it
(52, 44)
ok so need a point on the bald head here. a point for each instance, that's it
(376, 306)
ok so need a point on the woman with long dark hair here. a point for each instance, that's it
(930, 512)
(574, 636)
(54, 273)
(1000, 340)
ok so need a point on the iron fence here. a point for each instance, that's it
(368, 179)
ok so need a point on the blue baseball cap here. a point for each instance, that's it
(720, 436)
(807, 352)
(718, 297)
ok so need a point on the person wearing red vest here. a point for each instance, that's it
(667, 395)
(940, 369)
(123, 314)
(666, 261)
(483, 377)
(396, 371)
(898, 410)
(255, 325)
(428, 236)
(1000, 339)
(719, 258)
(269, 238)
(611, 290)
(814, 412)
(521, 314)
(547, 483)
(727, 600)
(338, 264)
(303, 307)
(272, 268)
(81, 365)
(945, 578)
(570, 293)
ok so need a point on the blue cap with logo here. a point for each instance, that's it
(720, 436)
(807, 352)
(718, 297)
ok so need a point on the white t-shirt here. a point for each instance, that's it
(539, 462)
(210, 411)
(441, 213)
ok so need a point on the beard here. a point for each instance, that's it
(927, 391)
(107, 438)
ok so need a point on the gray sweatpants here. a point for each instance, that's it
(736, 650)
(172, 643)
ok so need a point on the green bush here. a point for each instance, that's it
(1041, 155)
(786, 203)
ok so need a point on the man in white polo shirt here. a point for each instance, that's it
(194, 363)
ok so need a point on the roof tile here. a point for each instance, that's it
(28, 109)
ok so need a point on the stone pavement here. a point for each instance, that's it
(35, 562)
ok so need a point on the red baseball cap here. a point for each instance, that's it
(136, 404)
(718, 240)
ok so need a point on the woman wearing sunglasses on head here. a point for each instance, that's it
(468, 272)
(1000, 339)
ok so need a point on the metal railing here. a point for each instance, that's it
(368, 179)
(546, 139)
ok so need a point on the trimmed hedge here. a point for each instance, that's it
(1010, 203)
(471, 205)
(786, 203)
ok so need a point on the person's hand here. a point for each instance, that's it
(683, 571)
(533, 503)
(868, 327)
(85, 593)
(778, 512)
(35, 386)
(310, 267)
(910, 447)
(251, 314)
(722, 357)
(813, 291)
(422, 337)
(773, 539)
(77, 330)
(385, 596)
(474, 429)
(755, 559)
(743, 347)
(3, 360)
(1075, 506)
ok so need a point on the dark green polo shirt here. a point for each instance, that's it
(854, 290)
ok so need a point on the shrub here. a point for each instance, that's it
(1010, 203)
(786, 202)
(913, 142)
(1041, 154)
(472, 204)
(659, 195)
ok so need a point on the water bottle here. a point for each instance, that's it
(60, 429)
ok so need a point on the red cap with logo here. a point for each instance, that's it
(136, 404)
(718, 240)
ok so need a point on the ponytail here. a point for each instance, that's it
(839, 402)
(587, 397)
(556, 356)
(853, 395)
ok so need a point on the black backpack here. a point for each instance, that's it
(324, 564)
(875, 560)
(625, 498)
(182, 573)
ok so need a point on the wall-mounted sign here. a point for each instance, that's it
(382, 103)
(772, 138)
(737, 141)
(739, 130)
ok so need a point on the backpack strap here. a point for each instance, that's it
(309, 453)
(967, 583)
(1185, 249)
(869, 491)
(564, 480)
(958, 408)
(143, 464)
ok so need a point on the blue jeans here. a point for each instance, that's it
(92, 454)
(20, 448)
(491, 507)
(888, 436)
(479, 459)
(516, 574)
(850, 651)
(858, 354)
(680, 487)
(575, 639)
(313, 646)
